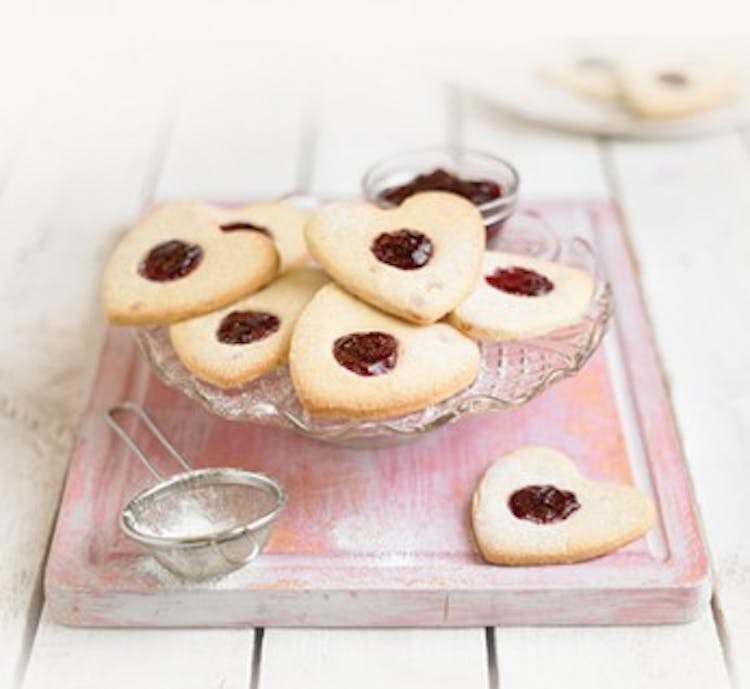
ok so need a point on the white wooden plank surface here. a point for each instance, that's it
(82, 172)
(643, 657)
(29, 494)
(551, 165)
(371, 112)
(687, 205)
(67, 658)
(373, 659)
(734, 565)
(239, 133)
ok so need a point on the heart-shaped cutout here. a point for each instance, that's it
(177, 263)
(348, 359)
(417, 261)
(533, 507)
(250, 337)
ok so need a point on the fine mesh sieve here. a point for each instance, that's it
(200, 523)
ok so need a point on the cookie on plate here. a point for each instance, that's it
(520, 296)
(589, 72)
(348, 359)
(666, 86)
(533, 507)
(177, 263)
(417, 261)
(249, 338)
(285, 224)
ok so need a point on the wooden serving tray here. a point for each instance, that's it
(382, 537)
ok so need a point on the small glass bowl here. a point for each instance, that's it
(463, 162)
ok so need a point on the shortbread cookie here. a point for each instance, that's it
(587, 72)
(177, 263)
(665, 86)
(285, 224)
(347, 359)
(249, 338)
(417, 261)
(520, 296)
(533, 507)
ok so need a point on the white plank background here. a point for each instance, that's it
(78, 174)
(115, 133)
(372, 659)
(147, 658)
(648, 658)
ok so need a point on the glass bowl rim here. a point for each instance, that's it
(506, 199)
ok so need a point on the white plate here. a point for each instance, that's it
(519, 90)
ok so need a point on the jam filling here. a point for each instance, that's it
(170, 260)
(477, 191)
(594, 63)
(367, 354)
(404, 249)
(543, 504)
(520, 281)
(244, 226)
(673, 79)
(244, 327)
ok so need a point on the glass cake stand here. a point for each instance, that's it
(511, 373)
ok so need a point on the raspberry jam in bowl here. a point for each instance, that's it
(487, 181)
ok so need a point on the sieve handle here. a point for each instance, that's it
(136, 409)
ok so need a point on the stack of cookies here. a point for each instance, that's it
(648, 83)
(387, 325)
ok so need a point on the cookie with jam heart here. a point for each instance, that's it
(417, 261)
(281, 222)
(348, 359)
(666, 86)
(590, 72)
(520, 296)
(533, 507)
(177, 263)
(250, 337)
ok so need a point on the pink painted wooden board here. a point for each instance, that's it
(382, 537)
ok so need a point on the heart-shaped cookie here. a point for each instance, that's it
(672, 85)
(591, 72)
(348, 359)
(417, 261)
(177, 263)
(285, 224)
(250, 337)
(520, 296)
(533, 507)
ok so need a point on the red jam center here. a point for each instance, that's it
(244, 327)
(520, 281)
(367, 354)
(244, 226)
(404, 249)
(594, 63)
(543, 504)
(170, 260)
(673, 79)
(477, 191)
